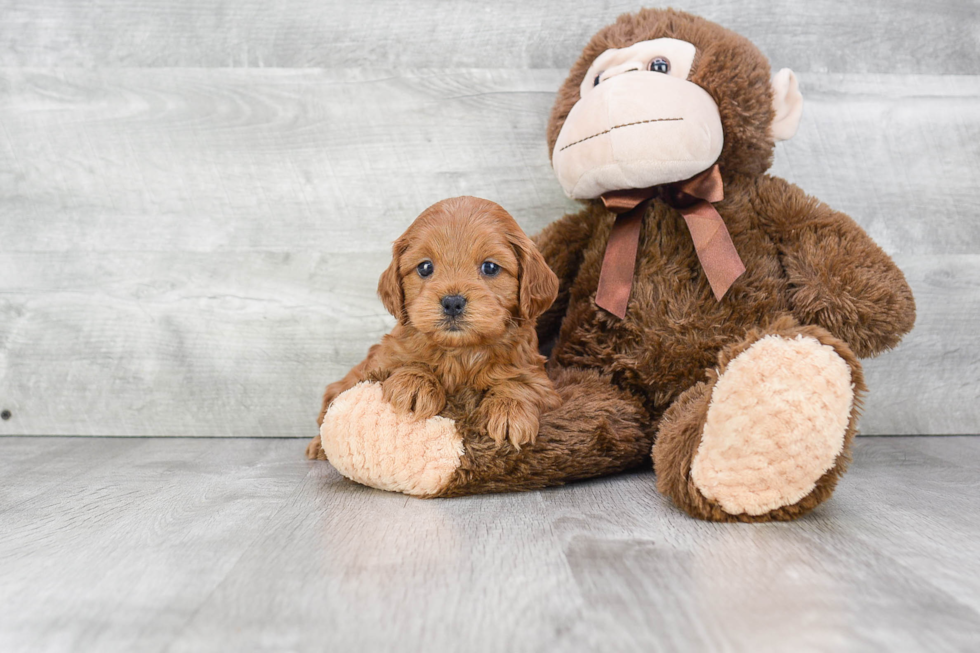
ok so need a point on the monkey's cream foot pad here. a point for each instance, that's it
(776, 423)
(368, 442)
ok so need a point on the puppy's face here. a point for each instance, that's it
(464, 273)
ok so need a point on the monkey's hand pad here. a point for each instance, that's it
(597, 431)
(368, 442)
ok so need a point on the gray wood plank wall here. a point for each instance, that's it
(197, 197)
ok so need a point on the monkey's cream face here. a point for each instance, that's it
(639, 122)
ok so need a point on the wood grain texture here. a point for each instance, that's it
(149, 530)
(205, 160)
(930, 383)
(239, 544)
(195, 252)
(882, 36)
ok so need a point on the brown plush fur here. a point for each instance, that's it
(810, 270)
(802, 260)
(606, 437)
(490, 349)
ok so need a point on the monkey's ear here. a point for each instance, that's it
(390, 284)
(787, 103)
(537, 284)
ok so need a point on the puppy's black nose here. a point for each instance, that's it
(453, 305)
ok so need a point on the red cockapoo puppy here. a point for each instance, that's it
(466, 285)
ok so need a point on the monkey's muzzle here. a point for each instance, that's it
(634, 131)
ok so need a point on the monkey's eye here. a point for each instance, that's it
(660, 65)
(595, 82)
(489, 269)
(425, 269)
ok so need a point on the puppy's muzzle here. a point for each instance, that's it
(453, 305)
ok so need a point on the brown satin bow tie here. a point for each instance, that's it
(712, 242)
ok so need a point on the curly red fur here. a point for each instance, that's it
(491, 347)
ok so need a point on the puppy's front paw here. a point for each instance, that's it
(509, 419)
(409, 391)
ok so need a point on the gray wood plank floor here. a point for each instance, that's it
(126, 544)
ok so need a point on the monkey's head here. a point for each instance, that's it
(661, 95)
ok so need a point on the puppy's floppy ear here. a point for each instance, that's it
(537, 284)
(390, 284)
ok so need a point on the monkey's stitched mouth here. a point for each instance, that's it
(626, 124)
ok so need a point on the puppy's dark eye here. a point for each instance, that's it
(425, 269)
(489, 269)
(660, 65)
(595, 82)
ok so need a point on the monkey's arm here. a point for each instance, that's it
(838, 277)
(562, 244)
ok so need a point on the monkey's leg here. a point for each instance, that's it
(769, 434)
(596, 431)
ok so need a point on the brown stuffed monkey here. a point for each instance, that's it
(708, 313)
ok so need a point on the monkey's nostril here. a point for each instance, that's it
(453, 305)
